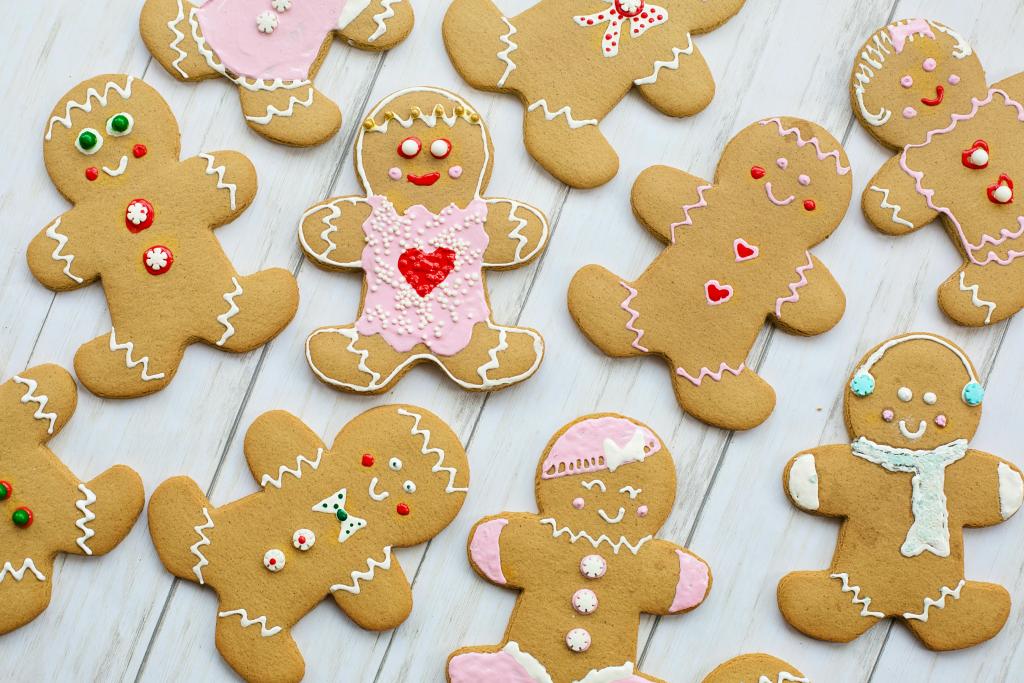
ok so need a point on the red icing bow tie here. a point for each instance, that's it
(641, 16)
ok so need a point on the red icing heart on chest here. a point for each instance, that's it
(744, 250)
(423, 271)
(716, 292)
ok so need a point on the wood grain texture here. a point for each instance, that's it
(122, 617)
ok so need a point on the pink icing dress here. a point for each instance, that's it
(255, 39)
(424, 279)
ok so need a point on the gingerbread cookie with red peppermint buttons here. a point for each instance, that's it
(142, 222)
(737, 253)
(423, 236)
(325, 524)
(271, 50)
(756, 668)
(45, 510)
(588, 563)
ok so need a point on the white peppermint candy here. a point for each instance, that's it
(156, 258)
(266, 22)
(273, 560)
(281, 5)
(303, 539)
(137, 213)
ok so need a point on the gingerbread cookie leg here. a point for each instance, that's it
(892, 203)
(982, 295)
(300, 116)
(568, 143)
(108, 507)
(479, 42)
(124, 364)
(167, 29)
(730, 389)
(601, 303)
(254, 310)
(682, 84)
(381, 604)
(375, 24)
(826, 606)
(342, 357)
(24, 590)
(180, 519)
(960, 616)
(496, 356)
(256, 647)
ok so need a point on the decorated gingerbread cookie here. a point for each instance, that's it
(905, 488)
(756, 668)
(271, 50)
(46, 509)
(919, 88)
(142, 222)
(324, 524)
(572, 62)
(737, 253)
(588, 563)
(423, 234)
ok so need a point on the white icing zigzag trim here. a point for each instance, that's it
(940, 603)
(41, 399)
(125, 92)
(328, 221)
(557, 531)
(178, 37)
(247, 622)
(273, 111)
(977, 300)
(367, 575)
(225, 318)
(895, 207)
(794, 295)
(784, 677)
(61, 240)
(426, 449)
(564, 111)
(203, 540)
(27, 565)
(381, 18)
(510, 66)
(296, 472)
(129, 348)
(219, 171)
(857, 600)
(517, 232)
(672, 64)
(87, 516)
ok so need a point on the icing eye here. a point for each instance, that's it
(409, 148)
(120, 124)
(395, 464)
(409, 487)
(907, 81)
(930, 398)
(977, 156)
(905, 394)
(782, 163)
(804, 180)
(440, 148)
(929, 64)
(809, 205)
(756, 172)
(89, 141)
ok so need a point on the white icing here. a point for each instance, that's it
(387, 13)
(784, 677)
(87, 516)
(56, 255)
(274, 560)
(803, 482)
(510, 66)
(564, 111)
(371, 566)
(865, 602)
(913, 435)
(225, 318)
(612, 520)
(247, 622)
(557, 531)
(374, 494)
(939, 604)
(609, 674)
(633, 451)
(219, 172)
(631, 492)
(427, 449)
(589, 485)
(121, 167)
(296, 472)
(881, 350)
(904, 394)
(328, 221)
(303, 539)
(18, 574)
(91, 94)
(331, 504)
(1011, 490)
(129, 348)
(178, 37)
(273, 111)
(976, 300)
(39, 399)
(930, 398)
(672, 64)
(351, 10)
(203, 540)
(533, 667)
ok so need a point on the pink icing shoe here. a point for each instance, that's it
(494, 667)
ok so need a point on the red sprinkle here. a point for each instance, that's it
(809, 205)
(139, 151)
(92, 173)
(367, 460)
(402, 509)
(756, 172)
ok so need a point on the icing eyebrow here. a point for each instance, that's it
(588, 485)
(633, 493)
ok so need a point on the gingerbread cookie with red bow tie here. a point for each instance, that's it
(737, 253)
(588, 563)
(919, 88)
(571, 63)
(142, 222)
(271, 50)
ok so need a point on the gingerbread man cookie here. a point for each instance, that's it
(756, 668)
(46, 509)
(588, 563)
(737, 254)
(271, 49)
(572, 62)
(905, 488)
(423, 235)
(324, 525)
(143, 223)
(919, 88)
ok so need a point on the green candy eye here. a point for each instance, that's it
(89, 141)
(120, 124)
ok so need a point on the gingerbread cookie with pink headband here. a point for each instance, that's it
(905, 488)
(587, 564)
(919, 88)
(423, 236)
(271, 50)
(737, 252)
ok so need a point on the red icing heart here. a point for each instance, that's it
(425, 271)
(756, 172)
(717, 293)
(744, 250)
(996, 192)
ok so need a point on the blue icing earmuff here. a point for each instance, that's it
(862, 384)
(973, 394)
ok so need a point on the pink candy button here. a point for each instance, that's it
(584, 601)
(593, 566)
(578, 640)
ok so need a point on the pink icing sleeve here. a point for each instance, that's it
(693, 582)
(486, 551)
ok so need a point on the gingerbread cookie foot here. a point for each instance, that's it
(258, 647)
(755, 668)
(960, 616)
(253, 311)
(501, 356)
(119, 365)
(474, 32)
(826, 606)
(568, 144)
(341, 357)
(600, 301)
(730, 396)
(300, 117)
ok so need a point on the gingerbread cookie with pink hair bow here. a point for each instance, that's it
(588, 563)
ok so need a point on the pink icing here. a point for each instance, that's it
(901, 32)
(929, 64)
(888, 415)
(907, 81)
(229, 28)
(940, 420)
(473, 667)
(641, 511)
(909, 113)
(444, 318)
(782, 163)
(485, 549)
(578, 503)
(804, 179)
(693, 582)
(395, 173)
(455, 172)
(954, 79)
(581, 449)
(626, 305)
(813, 142)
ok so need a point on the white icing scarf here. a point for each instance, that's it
(930, 530)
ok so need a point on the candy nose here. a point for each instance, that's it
(1002, 191)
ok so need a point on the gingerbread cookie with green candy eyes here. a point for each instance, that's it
(423, 235)
(737, 253)
(588, 563)
(905, 488)
(571, 63)
(46, 509)
(271, 50)
(919, 88)
(142, 222)
(756, 668)
(324, 524)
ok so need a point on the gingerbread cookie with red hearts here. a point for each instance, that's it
(919, 88)
(588, 564)
(571, 63)
(324, 525)
(423, 235)
(271, 50)
(737, 253)
(142, 222)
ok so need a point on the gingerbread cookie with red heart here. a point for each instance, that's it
(737, 253)
(423, 236)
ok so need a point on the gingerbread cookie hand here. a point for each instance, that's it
(375, 24)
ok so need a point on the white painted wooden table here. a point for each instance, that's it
(122, 617)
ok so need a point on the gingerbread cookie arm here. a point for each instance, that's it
(1013, 86)
(707, 15)
(495, 542)
(223, 183)
(813, 303)
(331, 232)
(678, 580)
(375, 24)
(813, 480)
(663, 199)
(517, 232)
(892, 203)
(279, 444)
(60, 257)
(680, 84)
(108, 507)
(380, 603)
(43, 397)
(988, 489)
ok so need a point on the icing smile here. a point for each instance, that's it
(612, 520)
(940, 92)
(425, 180)
(121, 168)
(913, 435)
(373, 494)
(777, 202)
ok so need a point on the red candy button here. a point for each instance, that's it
(402, 509)
(139, 215)
(92, 173)
(367, 460)
(139, 151)
(157, 260)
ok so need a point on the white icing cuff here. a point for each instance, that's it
(803, 482)
(1011, 490)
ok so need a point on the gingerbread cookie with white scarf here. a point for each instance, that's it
(905, 488)
(571, 63)
(271, 50)
(587, 564)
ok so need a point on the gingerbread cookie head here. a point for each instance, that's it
(424, 146)
(103, 130)
(608, 475)
(910, 77)
(918, 391)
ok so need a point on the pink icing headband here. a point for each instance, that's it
(599, 443)
(901, 32)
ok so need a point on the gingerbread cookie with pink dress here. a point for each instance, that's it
(271, 50)
(423, 236)
(919, 88)
(587, 565)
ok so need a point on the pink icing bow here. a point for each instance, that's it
(641, 16)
